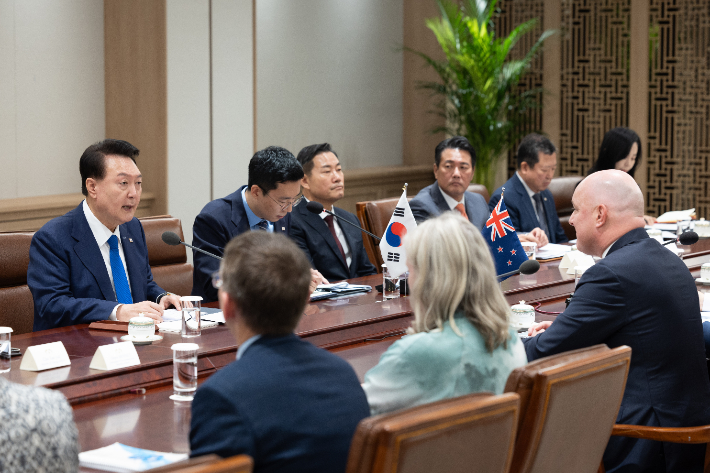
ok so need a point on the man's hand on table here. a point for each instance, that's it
(316, 279)
(539, 328)
(170, 300)
(126, 312)
(535, 236)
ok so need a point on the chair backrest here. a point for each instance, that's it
(169, 265)
(470, 433)
(210, 464)
(374, 216)
(480, 189)
(562, 189)
(15, 296)
(568, 405)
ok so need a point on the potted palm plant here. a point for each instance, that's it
(479, 97)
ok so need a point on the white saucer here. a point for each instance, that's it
(141, 341)
(704, 282)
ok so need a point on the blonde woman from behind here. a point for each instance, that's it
(460, 341)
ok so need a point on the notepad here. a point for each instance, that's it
(123, 458)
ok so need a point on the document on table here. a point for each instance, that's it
(123, 458)
(206, 314)
(552, 251)
(325, 291)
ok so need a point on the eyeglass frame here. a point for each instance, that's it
(217, 280)
(292, 203)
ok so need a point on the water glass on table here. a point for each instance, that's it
(390, 284)
(191, 321)
(530, 248)
(184, 371)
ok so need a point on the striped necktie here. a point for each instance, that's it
(120, 281)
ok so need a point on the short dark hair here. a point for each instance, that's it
(269, 277)
(92, 163)
(531, 147)
(271, 166)
(615, 147)
(306, 155)
(455, 142)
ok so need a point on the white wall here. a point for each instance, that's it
(329, 70)
(51, 93)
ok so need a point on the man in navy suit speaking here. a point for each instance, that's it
(333, 248)
(92, 263)
(530, 204)
(641, 295)
(289, 405)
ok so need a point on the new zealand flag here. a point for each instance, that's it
(506, 249)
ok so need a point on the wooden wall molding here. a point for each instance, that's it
(382, 182)
(28, 214)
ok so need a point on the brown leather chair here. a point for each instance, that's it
(568, 405)
(210, 464)
(562, 189)
(480, 189)
(374, 216)
(469, 433)
(169, 265)
(15, 296)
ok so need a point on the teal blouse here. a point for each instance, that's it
(429, 366)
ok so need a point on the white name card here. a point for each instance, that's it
(45, 357)
(115, 356)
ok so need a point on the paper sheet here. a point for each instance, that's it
(123, 458)
(552, 250)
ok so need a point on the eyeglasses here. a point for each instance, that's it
(292, 203)
(217, 280)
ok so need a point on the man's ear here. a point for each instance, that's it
(304, 182)
(436, 168)
(255, 190)
(601, 213)
(91, 186)
(228, 305)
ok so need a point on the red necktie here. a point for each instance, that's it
(329, 221)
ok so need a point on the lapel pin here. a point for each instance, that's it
(131, 240)
(283, 229)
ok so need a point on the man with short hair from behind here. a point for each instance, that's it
(92, 263)
(265, 203)
(289, 405)
(641, 295)
(334, 248)
(454, 164)
(530, 204)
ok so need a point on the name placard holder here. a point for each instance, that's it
(45, 357)
(115, 356)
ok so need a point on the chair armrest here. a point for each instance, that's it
(700, 434)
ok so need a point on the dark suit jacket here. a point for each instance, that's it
(430, 202)
(643, 296)
(68, 277)
(523, 214)
(311, 233)
(217, 223)
(287, 404)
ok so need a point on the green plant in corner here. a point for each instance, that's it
(479, 95)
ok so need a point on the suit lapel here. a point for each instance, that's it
(88, 252)
(523, 197)
(438, 198)
(239, 214)
(133, 262)
(320, 227)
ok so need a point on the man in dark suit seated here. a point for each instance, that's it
(291, 406)
(454, 163)
(334, 249)
(265, 203)
(641, 295)
(92, 262)
(530, 204)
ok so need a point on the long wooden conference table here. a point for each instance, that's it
(131, 405)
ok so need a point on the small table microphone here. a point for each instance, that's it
(172, 239)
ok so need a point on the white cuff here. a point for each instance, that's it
(113, 312)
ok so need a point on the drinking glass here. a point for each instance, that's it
(184, 371)
(5, 349)
(191, 322)
(530, 248)
(390, 285)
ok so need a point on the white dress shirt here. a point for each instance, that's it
(530, 194)
(450, 201)
(102, 234)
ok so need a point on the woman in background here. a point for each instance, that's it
(620, 149)
(460, 341)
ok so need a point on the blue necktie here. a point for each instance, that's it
(120, 281)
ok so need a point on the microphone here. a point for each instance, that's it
(527, 267)
(316, 208)
(172, 239)
(685, 238)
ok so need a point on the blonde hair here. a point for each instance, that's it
(453, 271)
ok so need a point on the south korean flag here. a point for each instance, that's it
(391, 247)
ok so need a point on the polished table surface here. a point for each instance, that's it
(359, 328)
